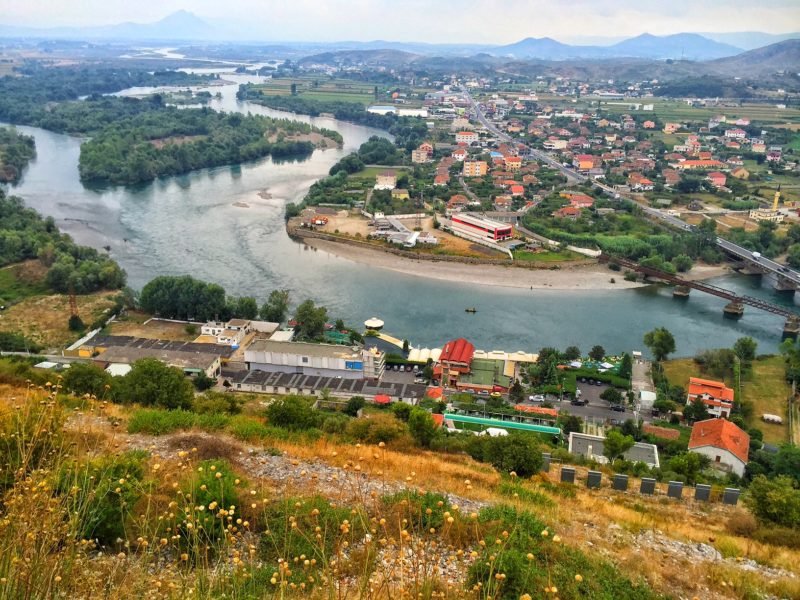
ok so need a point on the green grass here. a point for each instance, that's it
(765, 386)
(372, 172)
(13, 289)
(794, 143)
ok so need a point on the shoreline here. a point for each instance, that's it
(575, 278)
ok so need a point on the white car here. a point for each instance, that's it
(536, 398)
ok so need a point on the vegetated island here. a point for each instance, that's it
(16, 151)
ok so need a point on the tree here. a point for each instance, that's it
(86, 378)
(570, 423)
(405, 346)
(793, 256)
(572, 353)
(660, 342)
(745, 349)
(689, 465)
(152, 383)
(774, 501)
(516, 393)
(597, 353)
(421, 426)
(203, 382)
(626, 366)
(616, 444)
(292, 412)
(183, 298)
(355, 404)
(310, 320)
(275, 308)
(518, 453)
(76, 323)
(612, 395)
(293, 89)
(719, 362)
(246, 307)
(682, 263)
(696, 411)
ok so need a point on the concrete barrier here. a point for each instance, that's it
(621, 483)
(594, 479)
(702, 492)
(567, 475)
(675, 489)
(648, 486)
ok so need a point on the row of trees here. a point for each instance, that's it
(183, 297)
(25, 235)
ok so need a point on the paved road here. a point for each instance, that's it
(762, 263)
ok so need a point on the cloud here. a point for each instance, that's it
(462, 21)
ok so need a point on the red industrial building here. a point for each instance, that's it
(482, 227)
(455, 359)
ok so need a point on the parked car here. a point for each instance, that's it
(579, 402)
(617, 408)
(408, 368)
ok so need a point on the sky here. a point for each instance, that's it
(439, 21)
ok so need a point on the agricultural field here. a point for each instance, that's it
(765, 387)
(673, 110)
(337, 90)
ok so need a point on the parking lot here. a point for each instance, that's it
(392, 376)
(597, 409)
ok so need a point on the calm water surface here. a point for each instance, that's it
(213, 225)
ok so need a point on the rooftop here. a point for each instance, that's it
(303, 349)
(720, 433)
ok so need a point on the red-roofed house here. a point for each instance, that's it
(715, 395)
(459, 154)
(441, 180)
(649, 125)
(568, 212)
(581, 201)
(723, 442)
(455, 359)
(466, 137)
(517, 190)
(513, 163)
(583, 162)
(382, 399)
(434, 392)
(717, 179)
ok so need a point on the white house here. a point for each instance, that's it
(723, 442)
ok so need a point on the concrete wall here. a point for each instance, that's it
(728, 461)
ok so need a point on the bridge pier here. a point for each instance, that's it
(733, 310)
(792, 328)
(681, 292)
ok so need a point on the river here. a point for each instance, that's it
(190, 224)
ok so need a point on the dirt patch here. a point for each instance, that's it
(319, 140)
(154, 329)
(176, 140)
(205, 447)
(30, 272)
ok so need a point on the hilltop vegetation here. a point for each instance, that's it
(24, 234)
(16, 150)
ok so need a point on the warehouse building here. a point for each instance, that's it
(323, 360)
(481, 227)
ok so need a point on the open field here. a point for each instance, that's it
(21, 281)
(765, 387)
(138, 324)
(318, 88)
(671, 110)
(45, 318)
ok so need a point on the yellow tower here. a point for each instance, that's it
(775, 201)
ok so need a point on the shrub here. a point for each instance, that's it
(402, 411)
(516, 453)
(76, 324)
(515, 489)
(87, 378)
(217, 402)
(421, 426)
(355, 404)
(213, 486)
(152, 383)
(248, 429)
(154, 421)
(423, 510)
(375, 429)
(335, 423)
(102, 493)
(774, 501)
(292, 412)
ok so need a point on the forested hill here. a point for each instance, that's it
(16, 150)
(24, 235)
(26, 98)
(135, 141)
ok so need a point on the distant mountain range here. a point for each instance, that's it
(184, 26)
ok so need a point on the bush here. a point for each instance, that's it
(87, 378)
(375, 429)
(76, 324)
(213, 485)
(102, 494)
(335, 423)
(248, 429)
(517, 453)
(355, 404)
(217, 402)
(401, 410)
(292, 412)
(774, 501)
(154, 421)
(152, 383)
(742, 523)
(421, 426)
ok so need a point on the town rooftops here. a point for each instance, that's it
(457, 351)
(715, 389)
(720, 433)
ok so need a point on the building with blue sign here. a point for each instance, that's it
(324, 360)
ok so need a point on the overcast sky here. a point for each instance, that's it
(480, 21)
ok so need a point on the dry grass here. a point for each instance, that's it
(140, 325)
(44, 319)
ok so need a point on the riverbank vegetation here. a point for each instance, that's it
(16, 151)
(24, 235)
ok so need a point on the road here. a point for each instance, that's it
(783, 273)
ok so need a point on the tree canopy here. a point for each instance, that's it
(660, 342)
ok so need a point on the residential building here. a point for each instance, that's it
(568, 212)
(583, 162)
(460, 154)
(554, 144)
(717, 397)
(475, 168)
(419, 156)
(466, 137)
(671, 127)
(717, 179)
(517, 190)
(513, 163)
(323, 360)
(592, 447)
(691, 165)
(735, 134)
(481, 227)
(740, 173)
(400, 194)
(455, 360)
(386, 180)
(723, 442)
(649, 125)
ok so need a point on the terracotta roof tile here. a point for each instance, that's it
(720, 433)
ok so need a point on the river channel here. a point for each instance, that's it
(213, 225)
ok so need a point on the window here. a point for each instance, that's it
(718, 459)
(304, 359)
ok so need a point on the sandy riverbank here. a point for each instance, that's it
(588, 277)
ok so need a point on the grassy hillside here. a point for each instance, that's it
(765, 386)
(231, 506)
